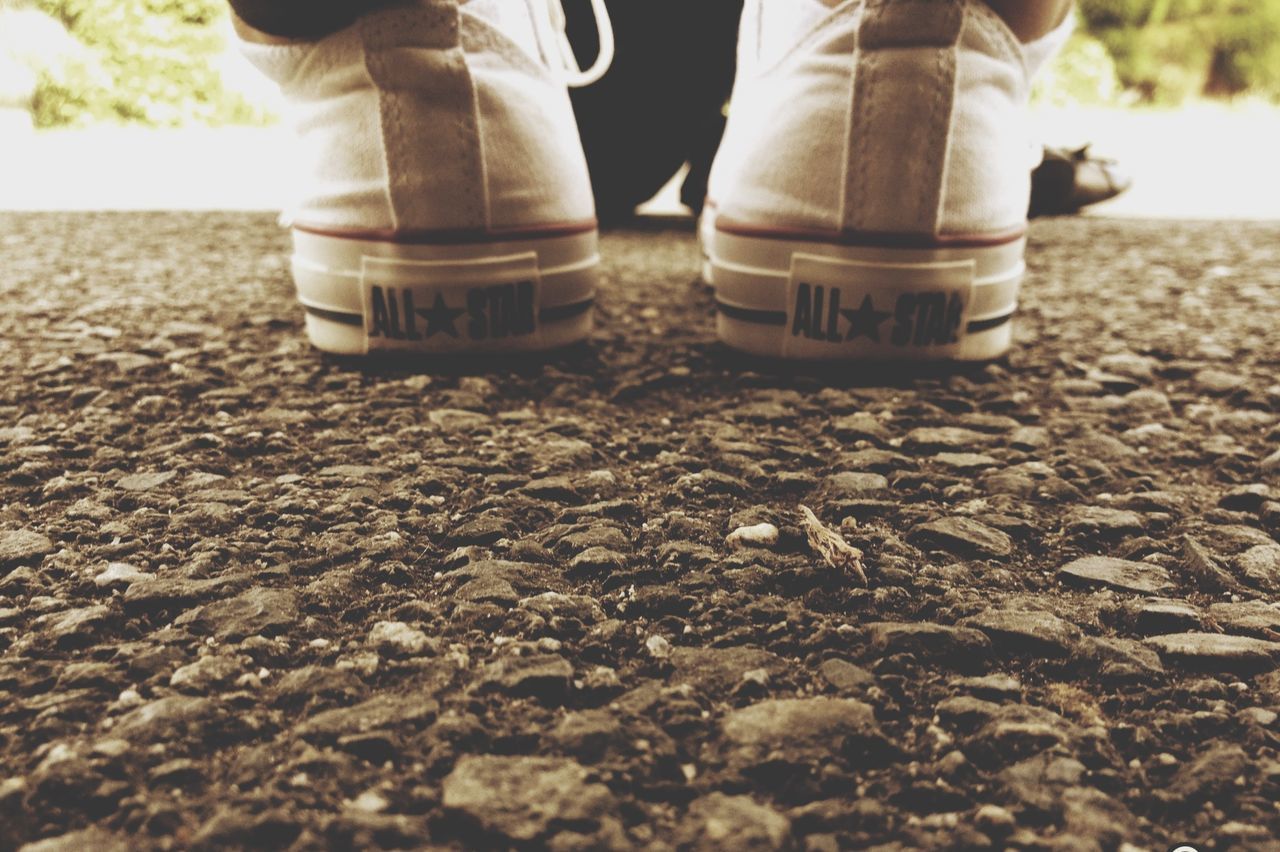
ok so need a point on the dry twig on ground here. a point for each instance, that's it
(831, 546)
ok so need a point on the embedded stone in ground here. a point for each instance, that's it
(599, 560)
(798, 730)
(1017, 730)
(544, 676)
(1119, 659)
(18, 546)
(1203, 568)
(74, 625)
(206, 673)
(945, 438)
(961, 646)
(1257, 618)
(1211, 774)
(1026, 631)
(588, 734)
(257, 611)
(719, 669)
(1039, 781)
(1121, 574)
(458, 420)
(317, 682)
(1101, 521)
(995, 687)
(386, 711)
(963, 536)
(118, 574)
(1260, 565)
(354, 471)
(965, 713)
(1216, 652)
(855, 484)
(1214, 381)
(844, 675)
(95, 839)
(581, 610)
(153, 593)
(482, 530)
(965, 462)
(1246, 498)
(145, 481)
(398, 638)
(1165, 615)
(494, 590)
(725, 822)
(522, 798)
(860, 426)
(173, 718)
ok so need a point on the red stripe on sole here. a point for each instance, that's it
(870, 239)
(454, 236)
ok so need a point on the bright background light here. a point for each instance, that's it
(1210, 159)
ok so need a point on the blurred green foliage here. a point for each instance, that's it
(1169, 50)
(1082, 74)
(146, 61)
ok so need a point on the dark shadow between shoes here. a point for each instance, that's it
(652, 223)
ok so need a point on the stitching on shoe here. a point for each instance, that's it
(865, 82)
(933, 193)
(930, 127)
(362, 24)
(476, 164)
(848, 169)
(921, 203)
(389, 31)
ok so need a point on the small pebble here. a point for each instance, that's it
(757, 535)
(118, 574)
(370, 802)
(658, 647)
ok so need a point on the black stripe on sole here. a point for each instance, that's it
(335, 316)
(780, 317)
(751, 314)
(558, 313)
(988, 324)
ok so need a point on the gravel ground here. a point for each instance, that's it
(252, 596)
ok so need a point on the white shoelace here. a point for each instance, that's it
(574, 76)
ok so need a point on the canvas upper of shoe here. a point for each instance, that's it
(769, 30)
(442, 115)
(879, 117)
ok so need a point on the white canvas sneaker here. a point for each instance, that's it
(446, 203)
(869, 198)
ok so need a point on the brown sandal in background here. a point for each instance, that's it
(1068, 180)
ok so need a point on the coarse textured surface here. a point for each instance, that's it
(255, 596)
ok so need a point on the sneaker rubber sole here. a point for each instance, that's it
(803, 296)
(446, 292)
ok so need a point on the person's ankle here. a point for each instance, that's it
(1028, 20)
(256, 36)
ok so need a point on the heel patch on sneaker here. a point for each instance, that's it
(447, 306)
(867, 309)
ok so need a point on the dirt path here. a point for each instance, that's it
(253, 596)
